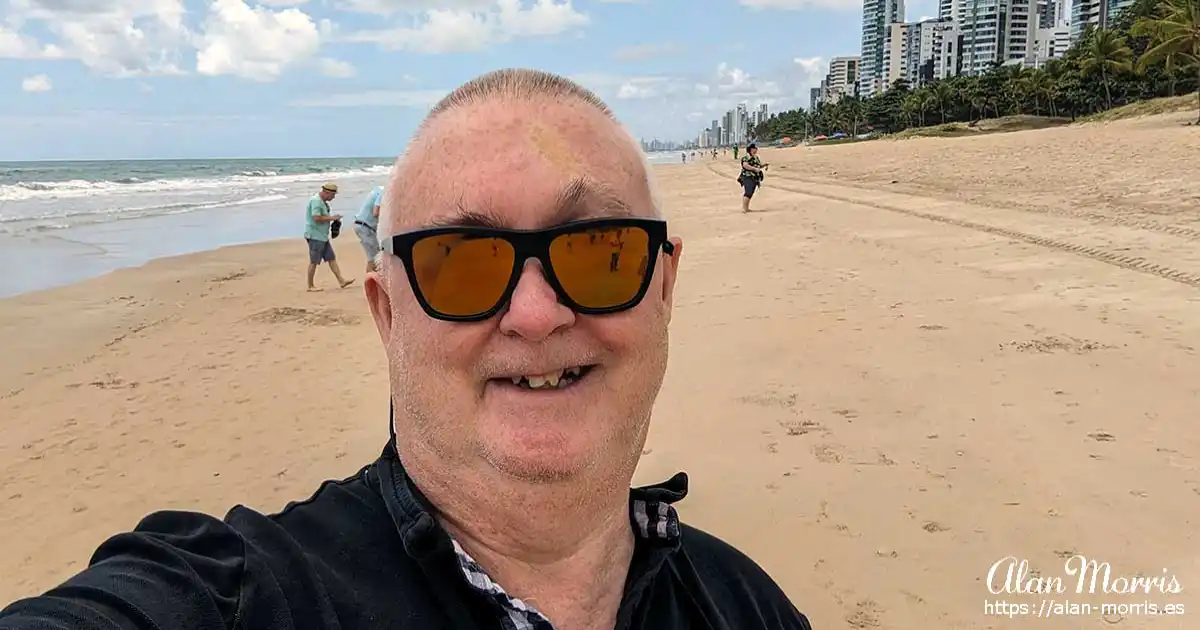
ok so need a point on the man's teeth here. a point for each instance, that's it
(547, 381)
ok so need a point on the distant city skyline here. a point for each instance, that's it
(965, 38)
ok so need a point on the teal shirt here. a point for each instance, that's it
(313, 229)
(366, 214)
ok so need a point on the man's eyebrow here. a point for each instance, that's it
(583, 197)
(466, 217)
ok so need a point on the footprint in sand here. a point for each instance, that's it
(934, 527)
(308, 317)
(802, 428)
(827, 453)
(237, 275)
(865, 614)
(770, 399)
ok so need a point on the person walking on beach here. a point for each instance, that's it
(751, 176)
(365, 223)
(521, 397)
(316, 233)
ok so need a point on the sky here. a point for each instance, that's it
(114, 79)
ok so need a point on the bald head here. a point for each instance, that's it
(515, 84)
(525, 123)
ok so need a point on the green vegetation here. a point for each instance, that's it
(1151, 50)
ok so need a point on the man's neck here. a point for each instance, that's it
(562, 548)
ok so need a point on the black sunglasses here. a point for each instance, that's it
(468, 273)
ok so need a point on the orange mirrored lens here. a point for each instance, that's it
(601, 268)
(460, 275)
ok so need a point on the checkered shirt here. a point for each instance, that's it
(652, 520)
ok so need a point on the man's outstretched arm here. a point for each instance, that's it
(175, 571)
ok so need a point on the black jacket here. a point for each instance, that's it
(365, 553)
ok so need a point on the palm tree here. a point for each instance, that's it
(1055, 71)
(1174, 33)
(910, 107)
(1038, 85)
(943, 94)
(1106, 54)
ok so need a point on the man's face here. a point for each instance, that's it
(452, 382)
(327, 195)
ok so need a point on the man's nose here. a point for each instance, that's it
(534, 311)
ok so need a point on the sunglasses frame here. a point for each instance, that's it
(528, 244)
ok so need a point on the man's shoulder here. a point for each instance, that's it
(315, 203)
(744, 593)
(335, 506)
(332, 505)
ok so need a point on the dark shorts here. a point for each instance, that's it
(749, 185)
(319, 251)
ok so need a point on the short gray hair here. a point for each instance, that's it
(516, 84)
(523, 84)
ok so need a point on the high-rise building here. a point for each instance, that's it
(842, 79)
(993, 31)
(1052, 43)
(740, 124)
(1047, 14)
(877, 15)
(921, 52)
(1098, 13)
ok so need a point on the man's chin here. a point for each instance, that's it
(538, 468)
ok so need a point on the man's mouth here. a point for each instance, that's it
(558, 379)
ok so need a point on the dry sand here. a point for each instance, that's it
(878, 389)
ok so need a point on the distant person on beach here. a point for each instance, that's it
(316, 234)
(684, 157)
(751, 176)
(365, 223)
(735, 151)
(523, 366)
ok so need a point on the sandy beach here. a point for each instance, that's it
(914, 359)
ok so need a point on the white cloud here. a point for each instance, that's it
(377, 98)
(615, 86)
(799, 5)
(335, 69)
(16, 45)
(254, 43)
(679, 106)
(391, 7)
(37, 83)
(467, 25)
(113, 37)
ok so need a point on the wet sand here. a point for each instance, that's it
(879, 390)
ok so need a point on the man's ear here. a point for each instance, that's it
(670, 272)
(380, 303)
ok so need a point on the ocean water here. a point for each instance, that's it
(41, 196)
(61, 222)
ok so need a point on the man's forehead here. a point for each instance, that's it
(564, 132)
(495, 164)
(579, 198)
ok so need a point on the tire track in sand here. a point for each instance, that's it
(1098, 218)
(1132, 263)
